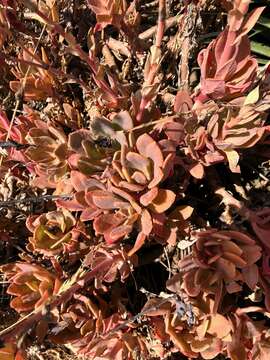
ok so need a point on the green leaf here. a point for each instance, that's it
(260, 49)
(233, 158)
(255, 32)
(264, 21)
(263, 61)
(253, 96)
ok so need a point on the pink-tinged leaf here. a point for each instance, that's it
(239, 236)
(182, 102)
(202, 277)
(150, 149)
(128, 197)
(138, 162)
(139, 178)
(214, 87)
(146, 222)
(5, 125)
(219, 326)
(202, 59)
(200, 345)
(82, 182)
(249, 22)
(168, 166)
(189, 284)
(21, 306)
(140, 240)
(18, 290)
(227, 70)
(157, 178)
(131, 187)
(90, 213)
(213, 350)
(107, 201)
(197, 171)
(124, 120)
(251, 275)
(252, 253)
(174, 131)
(88, 197)
(71, 205)
(106, 222)
(107, 12)
(235, 259)
(163, 201)
(227, 268)
(230, 246)
(214, 158)
(181, 213)
(73, 160)
(159, 221)
(117, 233)
(246, 72)
(233, 287)
(220, 43)
(149, 196)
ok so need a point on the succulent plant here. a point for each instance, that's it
(17, 134)
(57, 232)
(220, 260)
(31, 284)
(108, 12)
(78, 318)
(201, 148)
(116, 13)
(228, 131)
(206, 337)
(48, 152)
(113, 268)
(114, 211)
(87, 157)
(84, 325)
(122, 266)
(227, 68)
(37, 82)
(250, 337)
(142, 166)
(122, 345)
(231, 130)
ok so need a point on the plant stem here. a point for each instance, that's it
(153, 66)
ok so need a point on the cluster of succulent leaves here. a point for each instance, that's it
(121, 171)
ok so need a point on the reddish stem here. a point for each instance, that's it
(161, 22)
(154, 67)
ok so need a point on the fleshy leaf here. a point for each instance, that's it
(163, 201)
